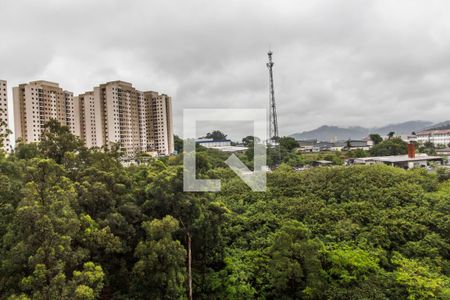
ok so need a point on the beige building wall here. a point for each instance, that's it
(114, 112)
(160, 124)
(4, 116)
(143, 122)
(72, 113)
(117, 103)
(37, 102)
(89, 120)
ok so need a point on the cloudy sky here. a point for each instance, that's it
(343, 63)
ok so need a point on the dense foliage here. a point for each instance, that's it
(392, 146)
(77, 224)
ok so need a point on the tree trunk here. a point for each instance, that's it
(189, 266)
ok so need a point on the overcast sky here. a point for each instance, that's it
(364, 63)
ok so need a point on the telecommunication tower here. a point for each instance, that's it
(273, 122)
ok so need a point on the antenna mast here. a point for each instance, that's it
(273, 122)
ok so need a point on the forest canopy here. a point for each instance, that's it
(75, 223)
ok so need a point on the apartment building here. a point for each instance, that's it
(72, 113)
(161, 128)
(4, 116)
(37, 102)
(90, 120)
(114, 112)
(117, 115)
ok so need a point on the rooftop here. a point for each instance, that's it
(231, 148)
(400, 158)
(45, 82)
(433, 132)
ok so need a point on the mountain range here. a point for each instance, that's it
(335, 133)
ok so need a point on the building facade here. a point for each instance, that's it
(89, 117)
(160, 131)
(118, 118)
(440, 138)
(4, 116)
(37, 102)
(116, 112)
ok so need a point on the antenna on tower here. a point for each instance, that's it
(273, 122)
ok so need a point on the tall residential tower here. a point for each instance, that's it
(116, 112)
(4, 116)
(37, 102)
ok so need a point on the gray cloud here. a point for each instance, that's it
(342, 62)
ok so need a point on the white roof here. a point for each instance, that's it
(230, 148)
(399, 158)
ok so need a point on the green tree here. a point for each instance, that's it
(216, 135)
(159, 272)
(295, 267)
(375, 138)
(250, 141)
(419, 280)
(288, 143)
(178, 144)
(57, 140)
(41, 253)
(393, 146)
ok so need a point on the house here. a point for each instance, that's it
(308, 146)
(325, 146)
(407, 161)
(365, 144)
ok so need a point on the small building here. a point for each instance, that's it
(325, 146)
(230, 149)
(443, 151)
(308, 146)
(356, 144)
(210, 143)
(407, 161)
(319, 163)
(401, 161)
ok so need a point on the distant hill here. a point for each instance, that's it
(333, 133)
(441, 125)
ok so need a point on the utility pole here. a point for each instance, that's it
(273, 122)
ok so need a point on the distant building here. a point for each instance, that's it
(315, 146)
(407, 161)
(443, 151)
(320, 163)
(402, 161)
(358, 144)
(4, 115)
(37, 102)
(159, 114)
(437, 137)
(90, 117)
(210, 143)
(114, 112)
(409, 138)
